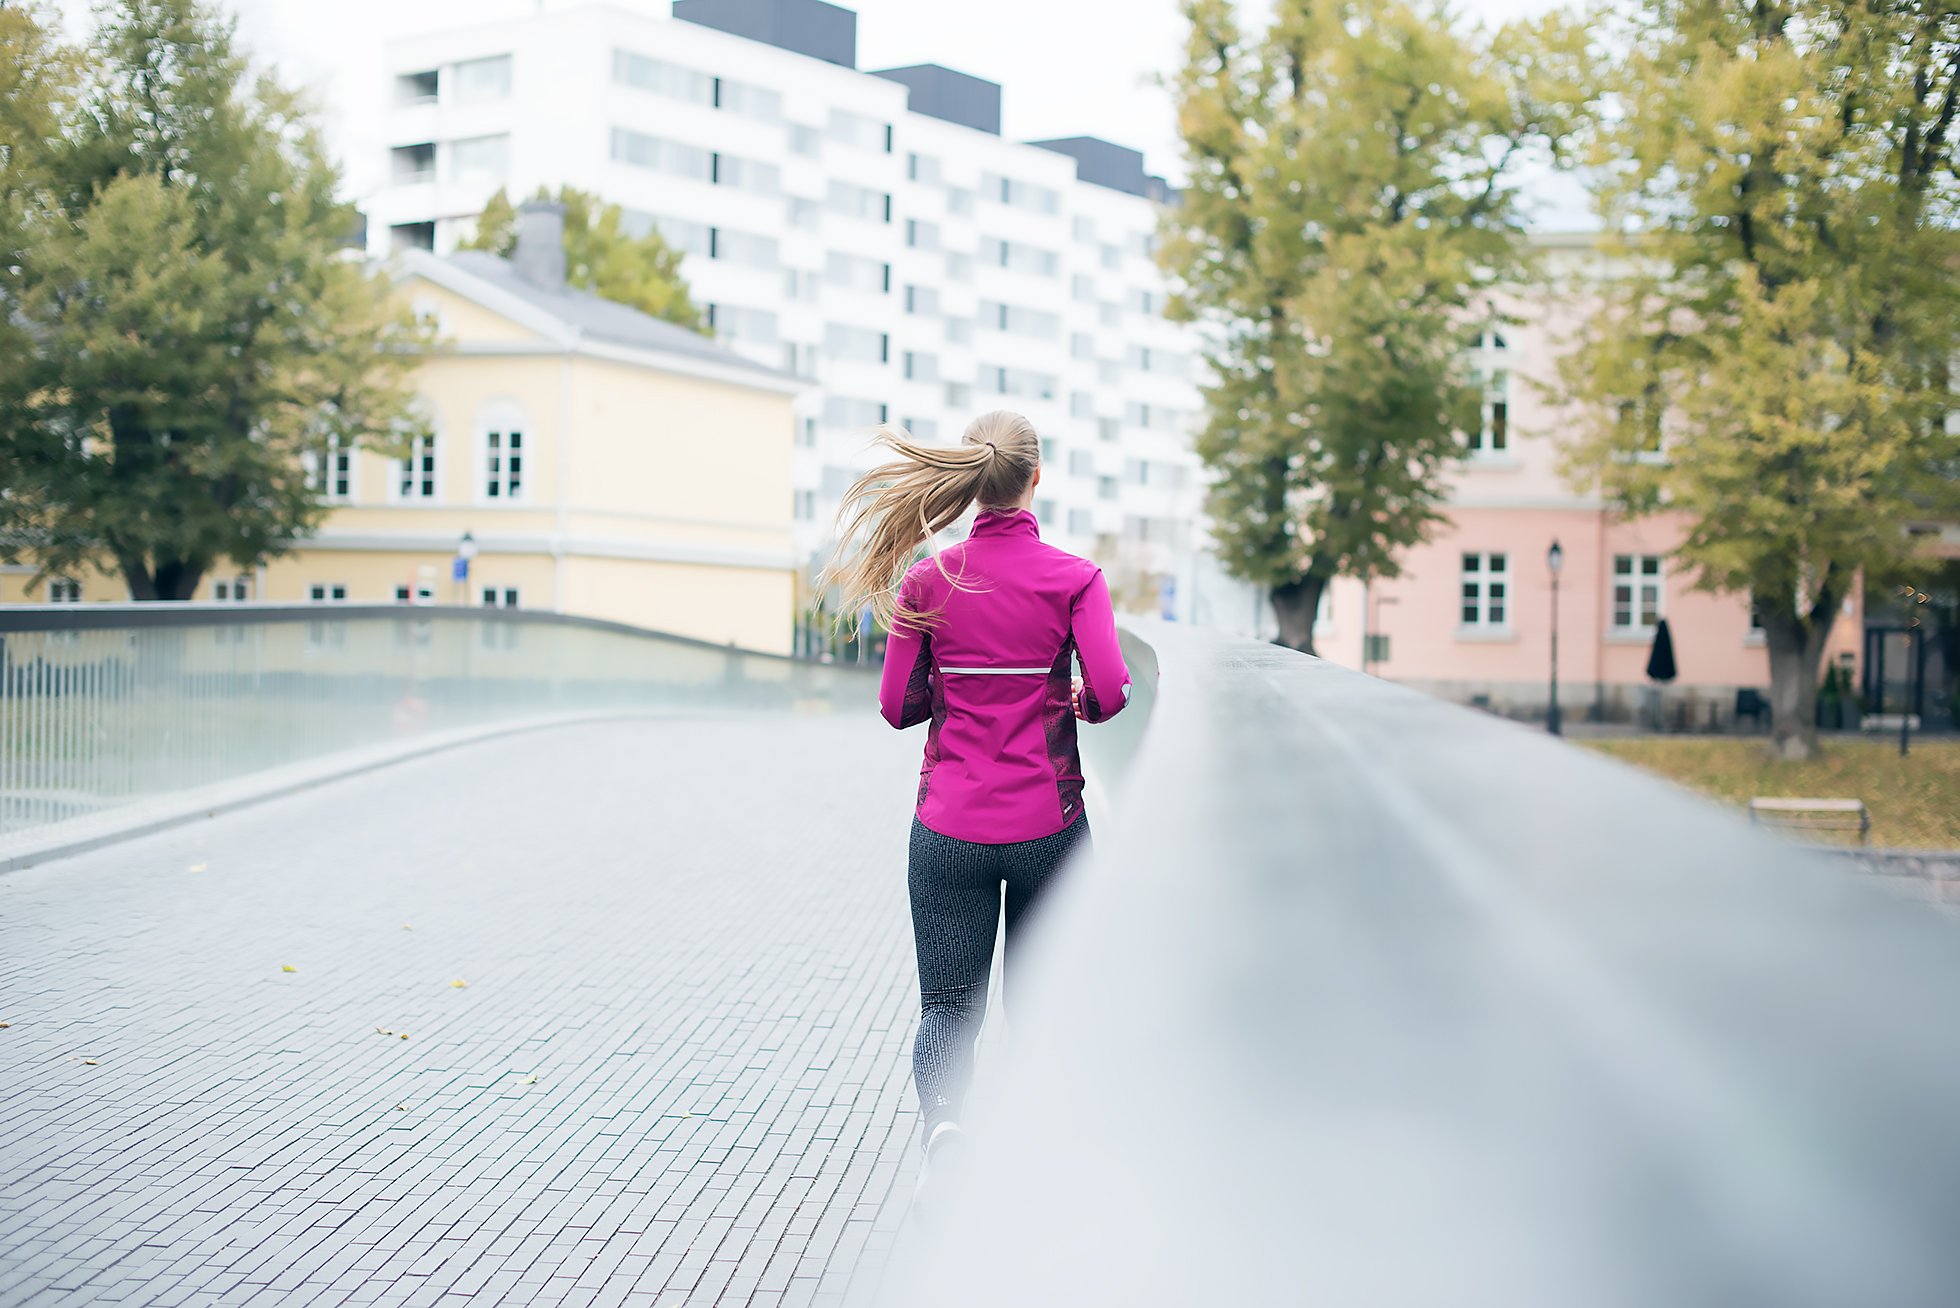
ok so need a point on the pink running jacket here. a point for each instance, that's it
(993, 679)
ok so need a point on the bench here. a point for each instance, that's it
(1814, 815)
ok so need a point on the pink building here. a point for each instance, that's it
(1470, 619)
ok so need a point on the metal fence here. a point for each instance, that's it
(1371, 999)
(104, 704)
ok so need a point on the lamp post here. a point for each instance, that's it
(1554, 560)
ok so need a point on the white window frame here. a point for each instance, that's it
(231, 590)
(330, 470)
(412, 483)
(326, 592)
(499, 597)
(1484, 593)
(1637, 581)
(1491, 367)
(501, 418)
(64, 590)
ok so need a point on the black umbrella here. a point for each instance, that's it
(1660, 663)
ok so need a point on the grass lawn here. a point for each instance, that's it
(1914, 801)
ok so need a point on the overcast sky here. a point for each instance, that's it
(1069, 67)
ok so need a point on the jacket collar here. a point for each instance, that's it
(1019, 522)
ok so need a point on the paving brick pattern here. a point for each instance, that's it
(675, 1072)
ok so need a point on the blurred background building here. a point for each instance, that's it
(870, 231)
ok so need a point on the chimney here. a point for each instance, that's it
(540, 254)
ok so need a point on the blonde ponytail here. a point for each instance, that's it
(903, 503)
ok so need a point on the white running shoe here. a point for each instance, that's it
(940, 1155)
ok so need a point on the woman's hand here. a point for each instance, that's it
(1075, 695)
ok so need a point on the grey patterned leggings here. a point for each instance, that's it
(956, 906)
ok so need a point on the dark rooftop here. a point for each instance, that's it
(812, 27)
(954, 97)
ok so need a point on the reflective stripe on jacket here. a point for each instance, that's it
(992, 677)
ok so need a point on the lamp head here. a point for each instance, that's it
(466, 547)
(1555, 557)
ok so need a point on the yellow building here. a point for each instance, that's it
(600, 461)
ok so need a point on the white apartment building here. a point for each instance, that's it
(870, 231)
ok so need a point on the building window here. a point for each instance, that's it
(923, 429)
(1108, 429)
(423, 595)
(638, 150)
(1085, 229)
(326, 592)
(858, 274)
(856, 344)
(1486, 583)
(480, 159)
(845, 411)
(1106, 488)
(921, 235)
(330, 471)
(806, 432)
(1044, 510)
(1636, 591)
(1021, 321)
(922, 168)
(417, 88)
(806, 505)
(805, 140)
(1017, 381)
(476, 81)
(922, 300)
(500, 597)
(411, 236)
(410, 164)
(1490, 372)
(1081, 404)
(416, 475)
(232, 590)
(503, 463)
(1081, 463)
(857, 130)
(1017, 256)
(671, 80)
(742, 247)
(859, 202)
(1021, 195)
(1081, 522)
(749, 100)
(64, 591)
(1112, 257)
(744, 174)
(921, 367)
(732, 322)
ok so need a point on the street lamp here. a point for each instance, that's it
(1554, 560)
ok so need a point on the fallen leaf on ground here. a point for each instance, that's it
(198, 867)
(287, 967)
(91, 1062)
(407, 927)
(459, 985)
(382, 1030)
(401, 1108)
(530, 1080)
(5, 1025)
(404, 1035)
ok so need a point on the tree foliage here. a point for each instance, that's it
(188, 332)
(1772, 361)
(601, 255)
(1348, 208)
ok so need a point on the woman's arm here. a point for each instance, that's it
(905, 690)
(1105, 677)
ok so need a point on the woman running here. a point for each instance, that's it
(982, 637)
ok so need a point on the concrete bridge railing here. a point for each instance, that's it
(107, 706)
(1367, 999)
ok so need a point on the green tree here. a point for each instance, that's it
(600, 255)
(38, 79)
(1773, 365)
(190, 334)
(1348, 209)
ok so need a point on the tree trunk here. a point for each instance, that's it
(173, 580)
(1295, 605)
(1796, 650)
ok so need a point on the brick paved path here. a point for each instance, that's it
(675, 1072)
